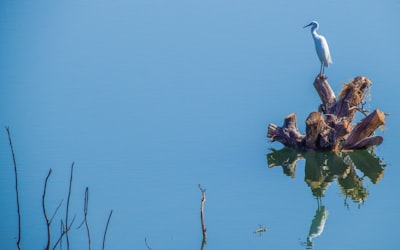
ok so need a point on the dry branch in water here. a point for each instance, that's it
(65, 226)
(68, 198)
(105, 231)
(84, 221)
(85, 211)
(48, 222)
(16, 187)
(330, 128)
(64, 231)
(203, 226)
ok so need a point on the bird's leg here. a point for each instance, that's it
(321, 71)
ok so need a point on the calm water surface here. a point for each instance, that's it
(150, 99)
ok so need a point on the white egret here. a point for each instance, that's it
(321, 46)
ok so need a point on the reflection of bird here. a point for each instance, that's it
(317, 224)
(321, 46)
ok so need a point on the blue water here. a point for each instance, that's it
(151, 98)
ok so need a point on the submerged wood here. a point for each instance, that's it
(330, 128)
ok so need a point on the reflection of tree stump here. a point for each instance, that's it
(331, 127)
(322, 168)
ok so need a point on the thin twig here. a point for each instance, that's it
(105, 231)
(64, 231)
(203, 226)
(85, 211)
(69, 195)
(55, 211)
(360, 109)
(16, 189)
(61, 233)
(44, 210)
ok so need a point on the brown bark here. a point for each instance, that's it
(331, 127)
(325, 92)
(359, 136)
(350, 97)
(317, 132)
(288, 134)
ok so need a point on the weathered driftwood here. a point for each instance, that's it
(331, 127)
(289, 135)
(365, 128)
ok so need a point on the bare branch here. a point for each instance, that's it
(44, 210)
(203, 226)
(85, 211)
(16, 188)
(105, 231)
(69, 196)
(360, 109)
(61, 232)
(55, 212)
(64, 231)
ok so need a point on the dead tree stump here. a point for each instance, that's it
(330, 128)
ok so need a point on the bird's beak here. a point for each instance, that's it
(307, 25)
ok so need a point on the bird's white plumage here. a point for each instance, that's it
(321, 46)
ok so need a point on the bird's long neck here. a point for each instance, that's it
(314, 31)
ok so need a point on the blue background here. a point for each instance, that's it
(151, 98)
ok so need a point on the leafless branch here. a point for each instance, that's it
(85, 211)
(203, 226)
(105, 231)
(360, 109)
(16, 188)
(64, 231)
(55, 211)
(66, 215)
(44, 210)
(61, 232)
